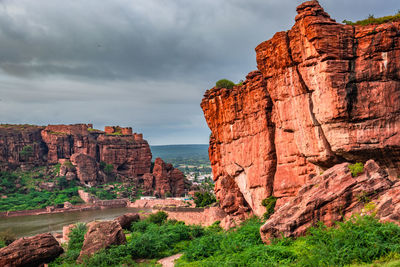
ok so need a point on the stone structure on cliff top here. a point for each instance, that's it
(82, 151)
(324, 94)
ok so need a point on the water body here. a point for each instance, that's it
(37, 224)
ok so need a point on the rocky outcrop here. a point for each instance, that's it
(30, 251)
(101, 235)
(127, 219)
(165, 180)
(331, 197)
(128, 153)
(14, 139)
(324, 93)
(87, 169)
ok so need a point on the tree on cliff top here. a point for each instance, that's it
(224, 83)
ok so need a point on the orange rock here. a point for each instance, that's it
(325, 93)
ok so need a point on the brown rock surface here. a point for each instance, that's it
(127, 219)
(331, 197)
(86, 169)
(30, 251)
(101, 235)
(167, 179)
(327, 93)
(13, 138)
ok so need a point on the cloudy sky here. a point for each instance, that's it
(139, 63)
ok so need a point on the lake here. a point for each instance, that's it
(37, 224)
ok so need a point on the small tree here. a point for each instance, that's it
(224, 83)
(26, 152)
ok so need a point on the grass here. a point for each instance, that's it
(360, 241)
(371, 20)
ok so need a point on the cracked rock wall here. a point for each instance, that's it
(325, 93)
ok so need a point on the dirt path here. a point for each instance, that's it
(169, 261)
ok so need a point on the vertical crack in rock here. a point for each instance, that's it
(351, 86)
(332, 158)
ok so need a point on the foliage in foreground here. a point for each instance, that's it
(203, 199)
(76, 238)
(359, 240)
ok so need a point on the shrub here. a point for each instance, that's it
(26, 152)
(202, 199)
(224, 83)
(157, 218)
(356, 169)
(372, 20)
(269, 203)
(109, 168)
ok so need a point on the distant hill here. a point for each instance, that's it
(173, 152)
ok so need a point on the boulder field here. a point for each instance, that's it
(324, 94)
(91, 156)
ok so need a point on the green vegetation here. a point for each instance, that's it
(109, 168)
(224, 83)
(203, 199)
(147, 240)
(6, 238)
(359, 240)
(76, 238)
(101, 193)
(26, 152)
(372, 20)
(24, 189)
(356, 169)
(39, 199)
(269, 204)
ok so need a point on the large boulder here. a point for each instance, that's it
(101, 235)
(127, 219)
(30, 251)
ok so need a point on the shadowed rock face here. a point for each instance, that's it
(164, 180)
(30, 251)
(324, 94)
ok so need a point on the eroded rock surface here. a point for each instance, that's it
(165, 180)
(30, 251)
(101, 235)
(127, 219)
(324, 93)
(331, 197)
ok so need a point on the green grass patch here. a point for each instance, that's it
(371, 20)
(356, 169)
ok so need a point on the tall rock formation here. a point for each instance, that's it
(324, 93)
(165, 180)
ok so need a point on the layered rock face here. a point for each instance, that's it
(127, 152)
(30, 251)
(16, 138)
(165, 180)
(333, 196)
(325, 94)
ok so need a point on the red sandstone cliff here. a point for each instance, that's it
(325, 93)
(79, 144)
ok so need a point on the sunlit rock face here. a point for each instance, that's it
(324, 93)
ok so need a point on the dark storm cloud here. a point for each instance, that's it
(140, 63)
